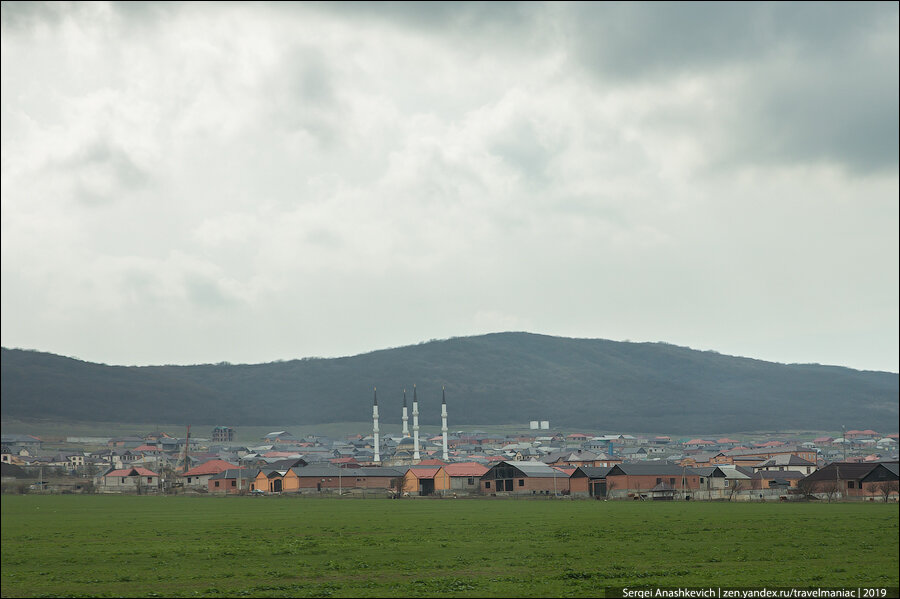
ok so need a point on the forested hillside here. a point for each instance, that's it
(499, 378)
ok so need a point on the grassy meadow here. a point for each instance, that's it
(127, 546)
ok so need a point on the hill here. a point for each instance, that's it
(590, 384)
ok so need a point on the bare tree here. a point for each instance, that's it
(886, 488)
(736, 487)
(806, 488)
(830, 488)
(610, 487)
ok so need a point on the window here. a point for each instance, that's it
(189, 479)
(234, 483)
(123, 480)
(149, 479)
(217, 483)
(701, 480)
(727, 482)
(521, 482)
(487, 484)
(672, 481)
(849, 484)
(658, 480)
(471, 480)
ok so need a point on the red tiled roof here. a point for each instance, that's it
(465, 469)
(210, 467)
(727, 440)
(431, 462)
(699, 442)
(146, 448)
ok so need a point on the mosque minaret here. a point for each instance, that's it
(375, 427)
(445, 457)
(405, 431)
(416, 455)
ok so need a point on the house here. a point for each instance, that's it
(465, 477)
(579, 457)
(773, 479)
(587, 480)
(713, 482)
(327, 478)
(270, 481)
(742, 456)
(128, 480)
(222, 434)
(786, 462)
(233, 480)
(125, 442)
(524, 478)
(279, 437)
(22, 441)
(845, 480)
(698, 443)
(198, 476)
(625, 480)
(425, 480)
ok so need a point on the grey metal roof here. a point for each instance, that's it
(534, 469)
(594, 472)
(709, 471)
(234, 473)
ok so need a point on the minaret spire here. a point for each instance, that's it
(375, 427)
(405, 431)
(445, 457)
(415, 425)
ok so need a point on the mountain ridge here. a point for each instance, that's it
(499, 377)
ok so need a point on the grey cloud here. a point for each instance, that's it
(25, 15)
(304, 95)
(205, 292)
(817, 86)
(836, 114)
(636, 40)
(441, 15)
(106, 159)
(521, 147)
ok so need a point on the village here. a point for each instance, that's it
(535, 463)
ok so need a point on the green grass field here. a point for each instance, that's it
(124, 546)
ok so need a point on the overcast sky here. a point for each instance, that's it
(194, 183)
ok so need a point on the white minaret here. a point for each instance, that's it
(375, 427)
(415, 425)
(446, 458)
(405, 431)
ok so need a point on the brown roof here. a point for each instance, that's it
(842, 470)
